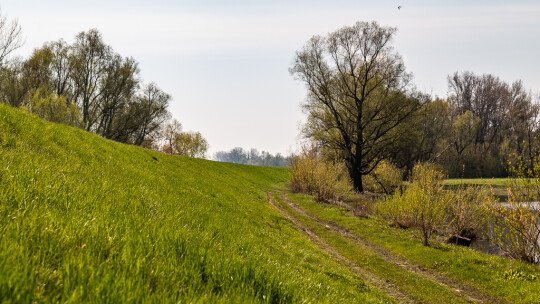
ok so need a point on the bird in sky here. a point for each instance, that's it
(399, 7)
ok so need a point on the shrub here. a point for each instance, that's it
(395, 210)
(384, 179)
(428, 200)
(465, 211)
(53, 108)
(422, 205)
(516, 224)
(327, 181)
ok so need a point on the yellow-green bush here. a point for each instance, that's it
(385, 178)
(327, 181)
(466, 210)
(516, 224)
(422, 205)
(53, 108)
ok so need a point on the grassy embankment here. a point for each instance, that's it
(84, 219)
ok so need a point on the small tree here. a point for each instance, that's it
(422, 205)
(190, 144)
(428, 200)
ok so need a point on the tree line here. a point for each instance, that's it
(362, 109)
(86, 84)
(252, 157)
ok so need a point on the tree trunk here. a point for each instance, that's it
(356, 176)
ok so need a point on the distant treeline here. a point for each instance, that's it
(252, 157)
(482, 125)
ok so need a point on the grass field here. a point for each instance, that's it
(499, 186)
(84, 219)
(495, 182)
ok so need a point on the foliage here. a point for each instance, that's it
(492, 119)
(428, 199)
(385, 178)
(395, 210)
(53, 108)
(252, 157)
(190, 144)
(517, 224)
(423, 137)
(312, 174)
(422, 205)
(175, 141)
(84, 219)
(466, 212)
(88, 75)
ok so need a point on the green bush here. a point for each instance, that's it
(395, 210)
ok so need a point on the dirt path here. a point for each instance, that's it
(373, 279)
(462, 290)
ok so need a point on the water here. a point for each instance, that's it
(486, 243)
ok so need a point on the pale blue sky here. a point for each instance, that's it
(226, 62)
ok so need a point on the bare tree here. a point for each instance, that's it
(357, 94)
(169, 131)
(506, 112)
(10, 37)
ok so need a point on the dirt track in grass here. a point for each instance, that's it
(461, 290)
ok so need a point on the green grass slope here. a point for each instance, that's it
(85, 219)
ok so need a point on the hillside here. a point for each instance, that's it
(85, 219)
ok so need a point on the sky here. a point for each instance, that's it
(225, 63)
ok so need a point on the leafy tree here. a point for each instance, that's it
(54, 108)
(464, 131)
(119, 88)
(13, 91)
(90, 76)
(424, 137)
(357, 94)
(190, 144)
(507, 121)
